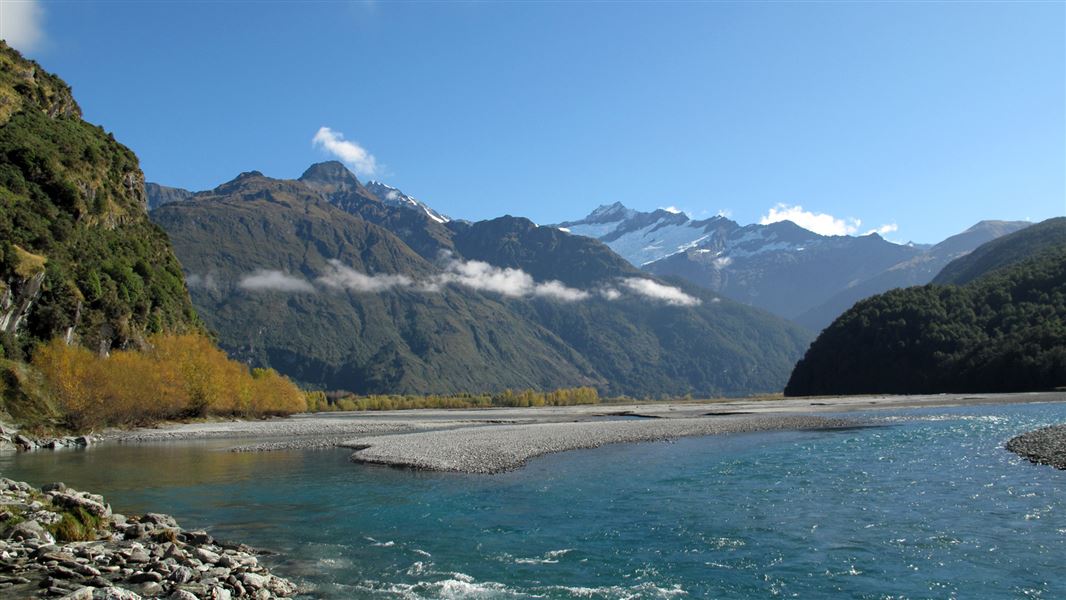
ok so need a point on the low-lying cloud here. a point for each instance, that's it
(657, 291)
(276, 281)
(341, 276)
(514, 283)
(471, 274)
(359, 159)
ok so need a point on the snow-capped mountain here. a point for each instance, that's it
(394, 197)
(781, 267)
(641, 237)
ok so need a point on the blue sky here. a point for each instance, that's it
(924, 116)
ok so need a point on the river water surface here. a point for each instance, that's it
(928, 505)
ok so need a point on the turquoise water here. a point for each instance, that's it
(929, 505)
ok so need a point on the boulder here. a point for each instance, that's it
(85, 593)
(114, 593)
(91, 504)
(30, 530)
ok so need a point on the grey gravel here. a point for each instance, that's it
(505, 447)
(1045, 446)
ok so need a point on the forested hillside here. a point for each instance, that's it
(1004, 330)
(78, 256)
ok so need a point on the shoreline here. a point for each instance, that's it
(60, 542)
(492, 440)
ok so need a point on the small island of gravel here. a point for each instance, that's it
(1045, 446)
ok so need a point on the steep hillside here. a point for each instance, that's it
(1047, 237)
(309, 277)
(918, 270)
(158, 195)
(259, 253)
(1005, 330)
(78, 255)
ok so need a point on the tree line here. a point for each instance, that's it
(174, 377)
(319, 402)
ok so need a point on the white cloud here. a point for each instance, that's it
(341, 276)
(671, 209)
(479, 275)
(658, 291)
(351, 153)
(207, 282)
(514, 283)
(559, 291)
(278, 281)
(724, 213)
(820, 223)
(21, 24)
(884, 229)
(473, 274)
(722, 262)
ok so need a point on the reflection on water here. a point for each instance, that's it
(928, 507)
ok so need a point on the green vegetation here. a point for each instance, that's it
(1003, 331)
(1037, 241)
(76, 525)
(317, 401)
(78, 255)
(177, 377)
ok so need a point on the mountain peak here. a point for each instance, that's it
(330, 177)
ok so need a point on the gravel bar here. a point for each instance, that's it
(1045, 446)
(507, 447)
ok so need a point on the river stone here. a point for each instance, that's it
(183, 595)
(85, 593)
(160, 520)
(138, 555)
(182, 575)
(197, 538)
(280, 587)
(57, 486)
(30, 530)
(91, 505)
(145, 576)
(206, 555)
(218, 593)
(114, 593)
(253, 581)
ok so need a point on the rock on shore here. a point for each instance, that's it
(102, 555)
(1046, 446)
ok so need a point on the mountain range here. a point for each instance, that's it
(780, 267)
(339, 287)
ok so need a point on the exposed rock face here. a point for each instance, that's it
(158, 195)
(118, 557)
